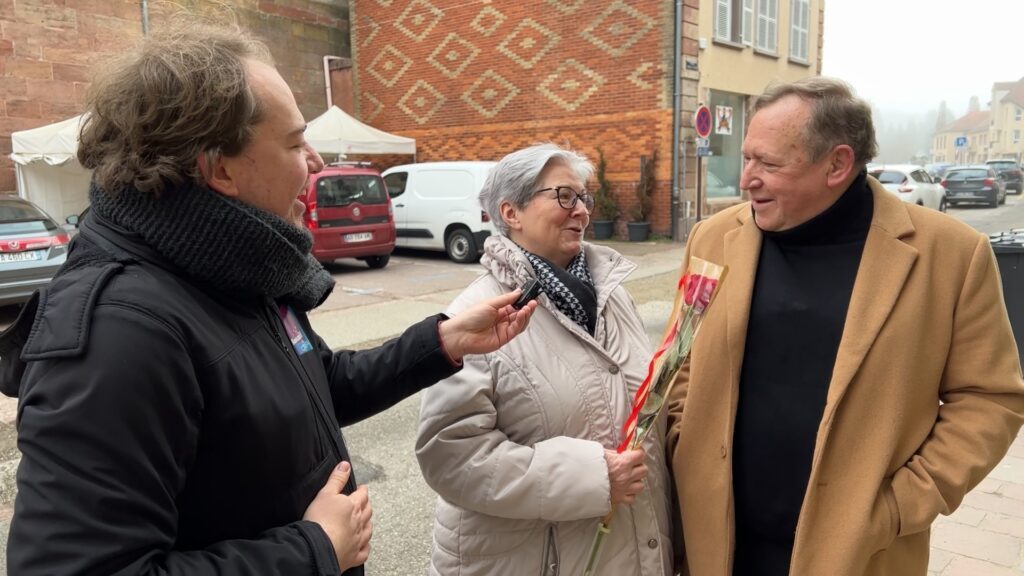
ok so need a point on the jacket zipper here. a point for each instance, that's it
(311, 392)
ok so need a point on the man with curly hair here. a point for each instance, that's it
(178, 414)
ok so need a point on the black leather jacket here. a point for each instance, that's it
(168, 428)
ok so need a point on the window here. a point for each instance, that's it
(724, 166)
(396, 183)
(1017, 113)
(1016, 136)
(748, 22)
(734, 21)
(800, 25)
(889, 176)
(767, 25)
(334, 191)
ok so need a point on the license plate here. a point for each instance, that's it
(359, 237)
(19, 256)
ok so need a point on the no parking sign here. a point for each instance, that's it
(702, 121)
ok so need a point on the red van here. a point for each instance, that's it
(349, 213)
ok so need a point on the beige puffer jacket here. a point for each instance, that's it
(514, 443)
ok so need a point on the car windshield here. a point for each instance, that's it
(344, 190)
(966, 174)
(22, 218)
(889, 176)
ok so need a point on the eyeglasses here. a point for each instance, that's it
(568, 197)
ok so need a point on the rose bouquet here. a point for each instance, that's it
(696, 290)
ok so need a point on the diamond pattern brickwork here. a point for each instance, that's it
(477, 79)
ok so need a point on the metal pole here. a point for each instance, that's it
(145, 17)
(700, 197)
(327, 80)
(676, 115)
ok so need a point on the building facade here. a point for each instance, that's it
(48, 49)
(744, 46)
(1007, 123)
(964, 141)
(477, 80)
(983, 135)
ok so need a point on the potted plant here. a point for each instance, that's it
(606, 210)
(639, 228)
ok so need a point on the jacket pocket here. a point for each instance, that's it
(549, 559)
(885, 516)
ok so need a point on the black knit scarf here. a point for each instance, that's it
(223, 242)
(571, 290)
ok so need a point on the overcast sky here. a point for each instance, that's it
(907, 55)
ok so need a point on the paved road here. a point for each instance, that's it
(984, 537)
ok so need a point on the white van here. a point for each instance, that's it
(437, 207)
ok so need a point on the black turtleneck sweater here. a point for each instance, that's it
(804, 280)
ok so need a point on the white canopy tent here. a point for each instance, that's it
(335, 132)
(48, 173)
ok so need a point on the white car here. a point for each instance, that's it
(911, 183)
(437, 207)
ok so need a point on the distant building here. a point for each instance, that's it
(1007, 120)
(985, 134)
(971, 131)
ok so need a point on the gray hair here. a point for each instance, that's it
(837, 116)
(514, 178)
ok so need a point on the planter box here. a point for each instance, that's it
(638, 231)
(603, 229)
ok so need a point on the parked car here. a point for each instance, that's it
(1010, 171)
(937, 170)
(974, 184)
(349, 213)
(911, 183)
(32, 248)
(437, 207)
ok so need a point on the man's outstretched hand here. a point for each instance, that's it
(485, 326)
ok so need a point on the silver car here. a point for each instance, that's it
(32, 248)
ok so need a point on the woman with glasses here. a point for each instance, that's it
(520, 444)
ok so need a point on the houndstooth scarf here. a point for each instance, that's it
(571, 290)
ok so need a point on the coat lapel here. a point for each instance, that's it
(884, 268)
(742, 251)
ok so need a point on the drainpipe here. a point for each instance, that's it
(145, 17)
(677, 34)
(327, 78)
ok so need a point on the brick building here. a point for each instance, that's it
(47, 48)
(476, 80)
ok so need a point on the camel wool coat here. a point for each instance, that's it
(925, 398)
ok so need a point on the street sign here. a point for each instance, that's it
(702, 142)
(702, 121)
(704, 151)
(961, 142)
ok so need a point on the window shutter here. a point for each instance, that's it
(723, 20)
(747, 34)
(799, 29)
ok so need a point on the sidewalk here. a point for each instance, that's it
(985, 536)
